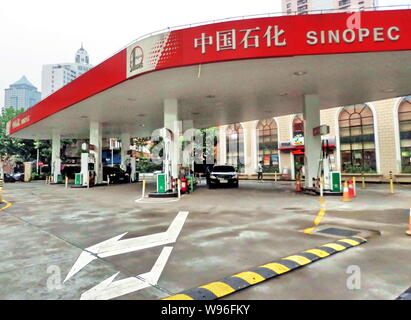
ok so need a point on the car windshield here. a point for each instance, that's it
(223, 169)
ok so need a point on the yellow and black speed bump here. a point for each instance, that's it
(229, 285)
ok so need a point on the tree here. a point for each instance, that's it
(21, 149)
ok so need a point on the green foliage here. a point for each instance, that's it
(144, 165)
(23, 149)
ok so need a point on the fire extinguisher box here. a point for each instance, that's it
(161, 183)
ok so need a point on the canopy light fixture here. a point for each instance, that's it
(300, 73)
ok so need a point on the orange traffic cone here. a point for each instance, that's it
(409, 225)
(298, 185)
(351, 189)
(346, 193)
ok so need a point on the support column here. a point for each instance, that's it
(96, 139)
(312, 144)
(125, 146)
(55, 156)
(250, 154)
(222, 145)
(171, 117)
(189, 136)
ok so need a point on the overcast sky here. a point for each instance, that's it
(33, 33)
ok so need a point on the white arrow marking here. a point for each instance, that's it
(115, 246)
(109, 289)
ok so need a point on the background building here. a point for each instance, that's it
(303, 6)
(21, 94)
(56, 76)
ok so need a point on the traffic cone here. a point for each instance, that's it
(346, 193)
(351, 189)
(298, 185)
(409, 225)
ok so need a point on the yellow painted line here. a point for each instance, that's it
(179, 297)
(8, 204)
(349, 241)
(219, 288)
(319, 217)
(309, 230)
(250, 277)
(318, 252)
(299, 259)
(334, 246)
(276, 267)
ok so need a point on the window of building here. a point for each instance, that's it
(357, 140)
(235, 146)
(298, 126)
(267, 139)
(404, 117)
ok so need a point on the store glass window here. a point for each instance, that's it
(267, 142)
(298, 130)
(357, 140)
(404, 118)
(235, 146)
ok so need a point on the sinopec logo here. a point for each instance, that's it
(136, 58)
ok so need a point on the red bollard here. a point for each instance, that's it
(184, 187)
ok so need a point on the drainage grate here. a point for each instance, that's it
(339, 232)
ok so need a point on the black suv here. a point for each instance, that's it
(222, 175)
(116, 175)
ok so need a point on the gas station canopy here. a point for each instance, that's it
(231, 72)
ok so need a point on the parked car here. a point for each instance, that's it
(222, 175)
(117, 175)
(18, 176)
(8, 178)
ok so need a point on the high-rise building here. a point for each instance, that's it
(304, 6)
(55, 76)
(21, 94)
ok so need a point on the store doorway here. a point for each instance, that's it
(298, 165)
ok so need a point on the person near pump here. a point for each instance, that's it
(260, 171)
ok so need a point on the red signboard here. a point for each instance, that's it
(373, 31)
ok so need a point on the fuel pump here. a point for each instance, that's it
(331, 177)
(88, 173)
(167, 138)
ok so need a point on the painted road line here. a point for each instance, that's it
(108, 289)
(115, 246)
(318, 218)
(229, 285)
(7, 204)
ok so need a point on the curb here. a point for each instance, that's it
(242, 280)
